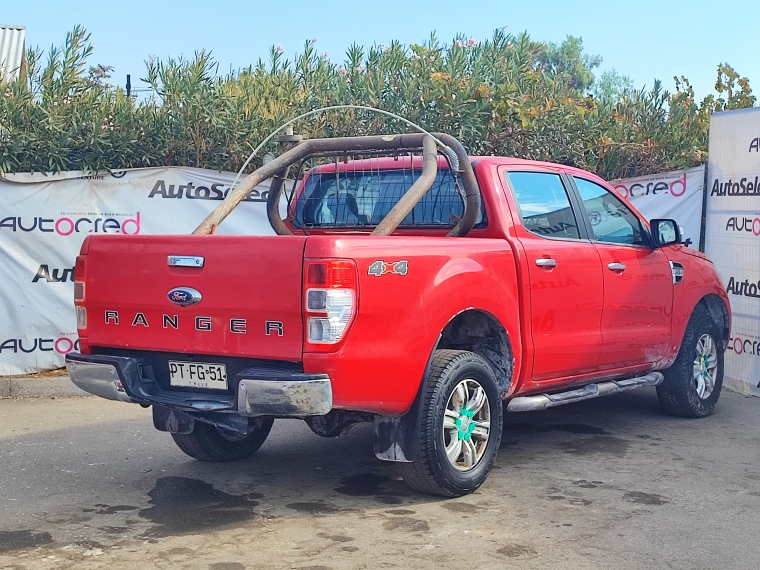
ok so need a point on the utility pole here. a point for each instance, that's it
(129, 85)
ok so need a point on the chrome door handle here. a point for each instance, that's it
(544, 262)
(616, 266)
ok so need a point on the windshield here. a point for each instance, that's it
(351, 199)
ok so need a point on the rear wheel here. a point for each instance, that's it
(693, 383)
(210, 443)
(461, 426)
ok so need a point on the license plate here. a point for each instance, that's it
(198, 375)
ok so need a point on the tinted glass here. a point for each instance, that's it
(611, 220)
(364, 198)
(544, 205)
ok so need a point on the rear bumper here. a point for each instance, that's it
(97, 378)
(259, 391)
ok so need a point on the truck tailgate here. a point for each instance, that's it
(250, 289)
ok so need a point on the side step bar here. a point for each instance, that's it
(543, 401)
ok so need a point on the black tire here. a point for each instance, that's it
(432, 472)
(678, 393)
(209, 443)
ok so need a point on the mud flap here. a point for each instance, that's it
(165, 419)
(397, 438)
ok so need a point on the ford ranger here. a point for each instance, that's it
(408, 285)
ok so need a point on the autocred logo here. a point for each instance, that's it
(61, 345)
(744, 346)
(192, 192)
(675, 188)
(744, 224)
(75, 223)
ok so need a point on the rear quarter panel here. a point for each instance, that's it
(381, 364)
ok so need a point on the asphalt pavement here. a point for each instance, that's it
(608, 483)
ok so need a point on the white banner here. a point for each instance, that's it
(732, 236)
(44, 219)
(676, 195)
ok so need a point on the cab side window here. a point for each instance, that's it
(611, 220)
(544, 206)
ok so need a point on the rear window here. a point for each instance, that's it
(351, 199)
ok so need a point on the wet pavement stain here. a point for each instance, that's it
(460, 507)
(518, 551)
(109, 509)
(599, 444)
(335, 537)
(21, 539)
(226, 566)
(115, 529)
(545, 428)
(406, 511)
(315, 508)
(645, 498)
(182, 505)
(371, 485)
(388, 499)
(583, 484)
(406, 524)
(579, 502)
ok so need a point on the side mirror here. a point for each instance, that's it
(665, 232)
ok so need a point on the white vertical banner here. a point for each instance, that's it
(732, 236)
(676, 195)
(45, 218)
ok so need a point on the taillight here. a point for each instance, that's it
(80, 270)
(80, 276)
(330, 300)
(81, 318)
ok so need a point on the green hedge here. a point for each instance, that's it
(508, 95)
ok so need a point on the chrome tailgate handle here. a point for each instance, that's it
(544, 262)
(185, 261)
(616, 266)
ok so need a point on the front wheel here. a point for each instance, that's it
(461, 426)
(693, 383)
(210, 443)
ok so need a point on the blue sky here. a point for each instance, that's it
(644, 39)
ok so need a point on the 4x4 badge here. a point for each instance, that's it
(379, 268)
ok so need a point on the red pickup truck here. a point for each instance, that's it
(410, 286)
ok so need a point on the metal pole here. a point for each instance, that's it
(407, 202)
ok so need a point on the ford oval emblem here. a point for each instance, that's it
(184, 296)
